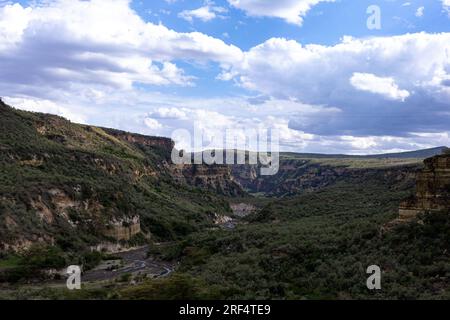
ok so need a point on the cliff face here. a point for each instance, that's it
(123, 229)
(74, 185)
(432, 190)
(298, 176)
(216, 178)
(164, 143)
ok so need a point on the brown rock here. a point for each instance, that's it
(123, 229)
(148, 141)
(432, 190)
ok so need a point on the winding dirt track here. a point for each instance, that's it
(133, 262)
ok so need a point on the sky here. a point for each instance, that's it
(332, 76)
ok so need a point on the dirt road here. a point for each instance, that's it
(133, 262)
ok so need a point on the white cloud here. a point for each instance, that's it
(292, 11)
(202, 13)
(13, 21)
(101, 43)
(170, 113)
(45, 106)
(206, 13)
(383, 86)
(420, 12)
(316, 73)
(216, 115)
(446, 4)
(152, 124)
(86, 60)
(319, 75)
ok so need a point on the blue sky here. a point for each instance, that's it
(326, 23)
(310, 68)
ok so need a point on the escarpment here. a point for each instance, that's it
(304, 175)
(76, 186)
(432, 189)
(123, 229)
(164, 143)
(216, 178)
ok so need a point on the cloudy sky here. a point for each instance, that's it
(310, 68)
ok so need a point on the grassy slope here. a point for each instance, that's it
(315, 245)
(71, 157)
(319, 245)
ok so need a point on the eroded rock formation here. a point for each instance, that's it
(216, 178)
(148, 141)
(432, 189)
(124, 228)
(299, 176)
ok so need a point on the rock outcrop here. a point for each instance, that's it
(432, 189)
(164, 143)
(303, 175)
(215, 178)
(73, 185)
(242, 209)
(123, 229)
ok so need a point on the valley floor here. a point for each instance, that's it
(312, 246)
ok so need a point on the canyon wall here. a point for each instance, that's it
(123, 229)
(432, 189)
(215, 178)
(302, 175)
(143, 140)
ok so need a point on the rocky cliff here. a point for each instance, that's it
(123, 229)
(76, 186)
(307, 175)
(432, 188)
(215, 178)
(164, 143)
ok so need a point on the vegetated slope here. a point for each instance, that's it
(73, 185)
(297, 175)
(418, 154)
(319, 245)
(302, 172)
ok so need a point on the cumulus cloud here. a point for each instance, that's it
(383, 86)
(420, 12)
(170, 113)
(103, 43)
(69, 112)
(446, 4)
(152, 124)
(319, 75)
(92, 62)
(292, 11)
(206, 13)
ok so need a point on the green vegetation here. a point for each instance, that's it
(55, 174)
(318, 246)
(177, 287)
(9, 262)
(33, 263)
(313, 238)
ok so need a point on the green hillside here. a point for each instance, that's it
(315, 227)
(61, 183)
